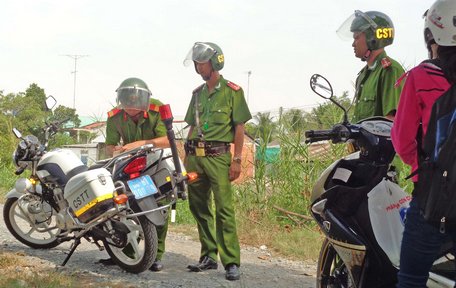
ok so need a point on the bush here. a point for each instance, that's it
(7, 179)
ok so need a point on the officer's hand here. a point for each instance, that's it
(235, 170)
(134, 145)
(117, 150)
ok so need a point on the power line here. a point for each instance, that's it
(284, 109)
(75, 57)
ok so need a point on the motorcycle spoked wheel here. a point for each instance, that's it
(332, 272)
(19, 226)
(141, 250)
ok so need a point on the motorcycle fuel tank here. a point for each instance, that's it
(58, 166)
(89, 194)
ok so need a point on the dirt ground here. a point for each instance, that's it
(259, 267)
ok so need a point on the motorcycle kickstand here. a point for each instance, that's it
(100, 247)
(75, 245)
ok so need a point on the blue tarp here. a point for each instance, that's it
(269, 154)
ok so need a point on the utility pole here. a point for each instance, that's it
(75, 57)
(248, 85)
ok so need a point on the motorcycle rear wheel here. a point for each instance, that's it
(19, 226)
(141, 250)
(332, 272)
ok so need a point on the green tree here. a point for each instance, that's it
(24, 111)
(327, 114)
(264, 128)
(293, 121)
(27, 112)
(62, 113)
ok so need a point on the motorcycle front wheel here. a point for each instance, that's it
(332, 272)
(141, 249)
(32, 229)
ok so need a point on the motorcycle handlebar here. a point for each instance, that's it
(339, 133)
(319, 135)
(20, 170)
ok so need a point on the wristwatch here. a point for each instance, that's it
(237, 159)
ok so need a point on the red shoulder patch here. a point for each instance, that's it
(113, 112)
(153, 107)
(386, 63)
(399, 81)
(233, 86)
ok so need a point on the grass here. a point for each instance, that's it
(16, 272)
(291, 241)
(7, 180)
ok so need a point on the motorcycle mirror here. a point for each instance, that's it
(321, 86)
(17, 133)
(50, 102)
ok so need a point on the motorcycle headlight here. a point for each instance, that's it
(23, 185)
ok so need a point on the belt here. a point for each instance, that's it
(206, 144)
(206, 148)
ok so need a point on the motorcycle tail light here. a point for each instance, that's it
(135, 167)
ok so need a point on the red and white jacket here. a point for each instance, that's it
(424, 84)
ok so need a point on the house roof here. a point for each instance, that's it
(87, 120)
(94, 125)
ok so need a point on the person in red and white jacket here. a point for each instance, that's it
(424, 84)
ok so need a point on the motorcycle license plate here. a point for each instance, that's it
(142, 186)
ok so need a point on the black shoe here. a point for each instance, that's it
(232, 272)
(107, 262)
(157, 266)
(205, 263)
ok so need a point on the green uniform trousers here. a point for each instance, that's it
(161, 233)
(221, 236)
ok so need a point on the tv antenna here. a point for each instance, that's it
(248, 85)
(75, 57)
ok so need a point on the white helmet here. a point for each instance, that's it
(441, 21)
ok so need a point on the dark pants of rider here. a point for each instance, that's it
(421, 245)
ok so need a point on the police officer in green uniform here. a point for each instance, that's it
(133, 123)
(216, 115)
(376, 93)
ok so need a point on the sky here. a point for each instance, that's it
(282, 43)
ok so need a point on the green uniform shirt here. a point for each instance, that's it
(219, 112)
(375, 92)
(121, 126)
